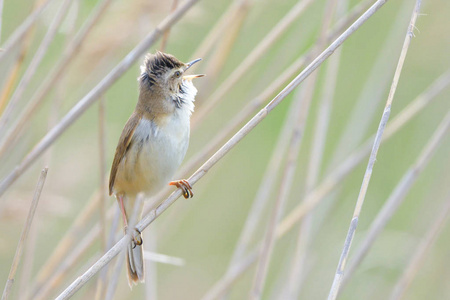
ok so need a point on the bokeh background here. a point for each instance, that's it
(204, 231)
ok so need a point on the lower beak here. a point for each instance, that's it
(190, 77)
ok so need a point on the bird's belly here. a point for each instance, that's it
(152, 159)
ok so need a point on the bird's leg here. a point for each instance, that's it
(184, 185)
(136, 238)
(122, 209)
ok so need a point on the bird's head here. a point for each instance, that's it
(163, 85)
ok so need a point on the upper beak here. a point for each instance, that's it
(189, 64)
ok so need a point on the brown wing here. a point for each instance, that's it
(122, 146)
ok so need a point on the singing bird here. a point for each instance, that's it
(153, 143)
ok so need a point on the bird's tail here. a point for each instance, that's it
(135, 263)
(135, 250)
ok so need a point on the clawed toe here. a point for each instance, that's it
(184, 186)
(136, 239)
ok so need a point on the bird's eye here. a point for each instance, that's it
(177, 74)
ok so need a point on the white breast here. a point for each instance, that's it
(155, 154)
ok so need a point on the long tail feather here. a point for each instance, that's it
(135, 264)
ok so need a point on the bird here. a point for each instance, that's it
(153, 143)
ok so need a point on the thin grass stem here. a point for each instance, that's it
(397, 197)
(299, 262)
(331, 182)
(165, 37)
(113, 281)
(290, 166)
(20, 32)
(34, 64)
(420, 254)
(103, 187)
(251, 59)
(67, 242)
(53, 78)
(24, 234)
(385, 117)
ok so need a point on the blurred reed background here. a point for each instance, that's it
(301, 167)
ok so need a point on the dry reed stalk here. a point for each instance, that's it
(14, 71)
(149, 218)
(28, 262)
(68, 242)
(113, 281)
(103, 187)
(53, 78)
(340, 26)
(385, 117)
(420, 254)
(102, 166)
(331, 182)
(71, 259)
(290, 165)
(266, 186)
(295, 280)
(1, 18)
(335, 176)
(24, 234)
(397, 196)
(94, 94)
(251, 59)
(370, 98)
(59, 275)
(215, 34)
(151, 279)
(101, 286)
(223, 49)
(167, 32)
(34, 64)
(264, 190)
(20, 32)
(223, 286)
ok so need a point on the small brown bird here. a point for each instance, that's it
(153, 142)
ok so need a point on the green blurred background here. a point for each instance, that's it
(204, 230)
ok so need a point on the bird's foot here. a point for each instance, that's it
(184, 186)
(136, 239)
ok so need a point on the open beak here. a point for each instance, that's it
(188, 65)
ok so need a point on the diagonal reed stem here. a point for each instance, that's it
(53, 78)
(113, 281)
(34, 64)
(299, 263)
(251, 59)
(419, 256)
(332, 181)
(165, 37)
(24, 235)
(385, 117)
(149, 218)
(20, 32)
(397, 196)
(304, 98)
